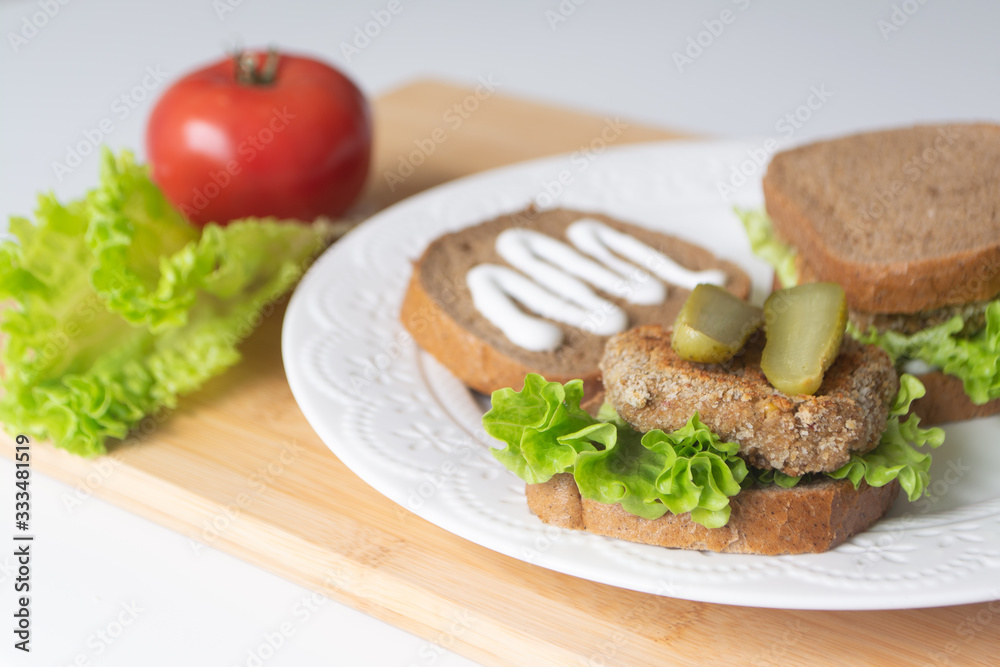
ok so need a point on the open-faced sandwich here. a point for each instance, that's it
(542, 291)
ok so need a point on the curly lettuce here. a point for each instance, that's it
(897, 455)
(532, 421)
(546, 432)
(690, 470)
(119, 306)
(973, 359)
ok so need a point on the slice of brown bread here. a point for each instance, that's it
(946, 401)
(809, 518)
(973, 312)
(900, 218)
(439, 313)
(652, 387)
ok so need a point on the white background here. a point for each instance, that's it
(878, 63)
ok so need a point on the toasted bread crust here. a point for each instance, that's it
(809, 518)
(438, 310)
(972, 312)
(476, 363)
(651, 387)
(901, 218)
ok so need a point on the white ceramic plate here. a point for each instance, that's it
(412, 431)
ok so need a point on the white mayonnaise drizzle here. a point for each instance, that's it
(599, 240)
(494, 289)
(552, 263)
(565, 298)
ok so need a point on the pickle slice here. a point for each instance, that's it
(805, 325)
(713, 325)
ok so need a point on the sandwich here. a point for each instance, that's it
(907, 221)
(542, 291)
(712, 455)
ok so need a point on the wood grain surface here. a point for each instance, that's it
(237, 467)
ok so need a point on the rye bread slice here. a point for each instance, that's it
(946, 401)
(439, 313)
(905, 220)
(812, 517)
(973, 312)
(652, 387)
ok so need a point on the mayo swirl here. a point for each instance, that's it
(564, 273)
(494, 289)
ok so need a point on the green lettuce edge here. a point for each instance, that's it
(765, 244)
(975, 359)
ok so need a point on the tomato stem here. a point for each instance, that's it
(248, 73)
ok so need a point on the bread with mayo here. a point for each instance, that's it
(541, 291)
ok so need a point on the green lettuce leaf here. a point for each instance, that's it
(897, 455)
(765, 477)
(546, 432)
(120, 306)
(531, 422)
(975, 360)
(689, 470)
(766, 245)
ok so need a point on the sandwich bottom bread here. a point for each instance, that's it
(812, 517)
(650, 468)
(946, 400)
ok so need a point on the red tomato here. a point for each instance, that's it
(260, 135)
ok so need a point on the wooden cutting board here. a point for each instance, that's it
(237, 467)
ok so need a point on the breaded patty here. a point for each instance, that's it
(651, 387)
